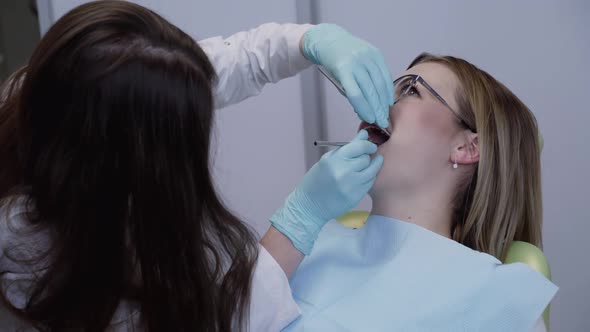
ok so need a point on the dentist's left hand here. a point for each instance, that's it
(357, 65)
(332, 187)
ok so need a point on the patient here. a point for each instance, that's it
(460, 183)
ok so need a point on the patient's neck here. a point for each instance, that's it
(426, 208)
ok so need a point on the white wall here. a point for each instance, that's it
(540, 50)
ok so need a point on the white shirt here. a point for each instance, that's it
(244, 63)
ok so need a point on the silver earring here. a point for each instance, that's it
(455, 166)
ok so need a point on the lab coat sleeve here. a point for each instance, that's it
(272, 307)
(246, 61)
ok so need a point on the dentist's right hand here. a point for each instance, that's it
(332, 187)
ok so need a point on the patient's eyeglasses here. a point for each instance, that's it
(406, 86)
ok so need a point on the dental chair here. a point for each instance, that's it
(519, 251)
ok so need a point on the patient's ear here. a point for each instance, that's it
(466, 150)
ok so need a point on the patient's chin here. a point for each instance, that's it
(395, 173)
(379, 186)
(373, 192)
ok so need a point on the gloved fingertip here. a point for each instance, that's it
(378, 159)
(359, 116)
(369, 117)
(365, 114)
(374, 148)
(361, 135)
(383, 118)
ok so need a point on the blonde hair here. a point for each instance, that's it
(500, 200)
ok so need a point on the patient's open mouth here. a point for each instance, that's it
(376, 134)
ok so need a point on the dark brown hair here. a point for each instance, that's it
(107, 131)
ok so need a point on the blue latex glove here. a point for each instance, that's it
(357, 65)
(332, 187)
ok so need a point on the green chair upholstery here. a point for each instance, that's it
(532, 256)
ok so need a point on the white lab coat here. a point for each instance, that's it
(244, 63)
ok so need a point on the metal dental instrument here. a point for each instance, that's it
(327, 143)
(333, 80)
(343, 92)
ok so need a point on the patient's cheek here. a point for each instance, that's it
(435, 122)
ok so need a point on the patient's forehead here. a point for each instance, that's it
(440, 78)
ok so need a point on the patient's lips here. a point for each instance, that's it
(376, 134)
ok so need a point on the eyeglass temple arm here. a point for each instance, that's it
(332, 80)
(434, 93)
(437, 96)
